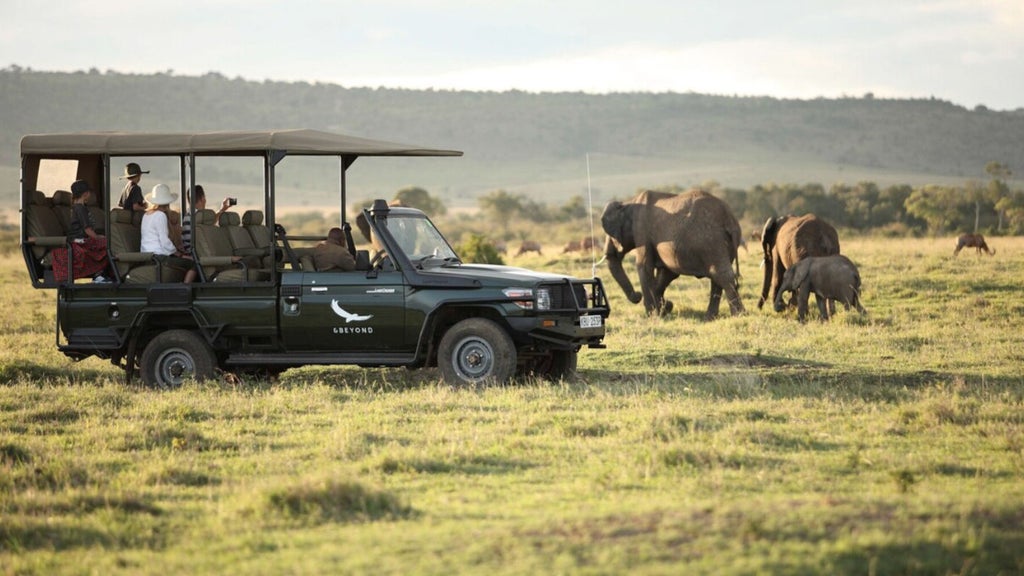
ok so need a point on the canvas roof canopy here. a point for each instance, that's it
(300, 141)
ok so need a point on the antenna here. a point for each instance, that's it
(590, 213)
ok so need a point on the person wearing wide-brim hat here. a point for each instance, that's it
(131, 198)
(156, 231)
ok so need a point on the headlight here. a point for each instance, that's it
(523, 297)
(543, 299)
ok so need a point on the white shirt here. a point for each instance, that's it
(156, 236)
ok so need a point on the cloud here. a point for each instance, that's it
(745, 67)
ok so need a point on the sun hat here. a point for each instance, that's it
(79, 187)
(161, 195)
(132, 170)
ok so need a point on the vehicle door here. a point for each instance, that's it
(344, 312)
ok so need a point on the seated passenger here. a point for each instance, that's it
(156, 233)
(89, 248)
(199, 202)
(332, 254)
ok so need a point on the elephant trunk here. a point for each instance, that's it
(780, 303)
(768, 266)
(615, 265)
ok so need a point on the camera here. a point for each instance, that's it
(232, 201)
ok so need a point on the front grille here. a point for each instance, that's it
(577, 295)
(568, 296)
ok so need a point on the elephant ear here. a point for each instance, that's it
(768, 233)
(617, 222)
(801, 272)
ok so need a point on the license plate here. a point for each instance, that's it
(590, 321)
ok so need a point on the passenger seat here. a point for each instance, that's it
(214, 252)
(44, 227)
(241, 241)
(62, 208)
(262, 236)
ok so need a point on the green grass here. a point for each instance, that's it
(891, 443)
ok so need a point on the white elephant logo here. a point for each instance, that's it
(348, 316)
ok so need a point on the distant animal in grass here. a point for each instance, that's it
(572, 246)
(501, 247)
(972, 241)
(529, 246)
(588, 243)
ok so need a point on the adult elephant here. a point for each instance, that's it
(692, 234)
(789, 239)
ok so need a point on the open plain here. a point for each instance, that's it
(878, 444)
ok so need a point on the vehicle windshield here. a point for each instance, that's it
(420, 240)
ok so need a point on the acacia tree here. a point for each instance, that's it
(1012, 205)
(936, 205)
(417, 197)
(501, 206)
(997, 188)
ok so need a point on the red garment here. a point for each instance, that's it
(89, 257)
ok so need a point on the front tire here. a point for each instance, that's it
(563, 366)
(474, 351)
(173, 357)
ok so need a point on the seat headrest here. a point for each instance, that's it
(40, 199)
(121, 216)
(62, 198)
(229, 219)
(206, 216)
(252, 218)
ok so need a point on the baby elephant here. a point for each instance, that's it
(828, 277)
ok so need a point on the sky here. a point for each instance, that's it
(969, 52)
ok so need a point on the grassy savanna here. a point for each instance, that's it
(891, 443)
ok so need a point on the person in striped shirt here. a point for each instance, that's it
(199, 202)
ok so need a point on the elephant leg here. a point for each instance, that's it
(648, 288)
(856, 304)
(823, 306)
(725, 282)
(714, 301)
(662, 278)
(802, 296)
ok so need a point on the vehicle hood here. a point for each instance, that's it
(492, 274)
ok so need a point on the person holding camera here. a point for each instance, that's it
(199, 202)
(156, 231)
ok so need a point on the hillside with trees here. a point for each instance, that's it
(897, 159)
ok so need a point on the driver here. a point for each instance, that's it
(332, 254)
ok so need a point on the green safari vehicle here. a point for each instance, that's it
(259, 305)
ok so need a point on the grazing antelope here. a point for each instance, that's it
(528, 246)
(972, 241)
(572, 246)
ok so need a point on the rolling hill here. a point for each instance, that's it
(540, 144)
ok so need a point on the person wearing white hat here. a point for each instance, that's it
(156, 231)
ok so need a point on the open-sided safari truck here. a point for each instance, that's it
(411, 303)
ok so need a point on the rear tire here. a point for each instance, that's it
(476, 350)
(173, 357)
